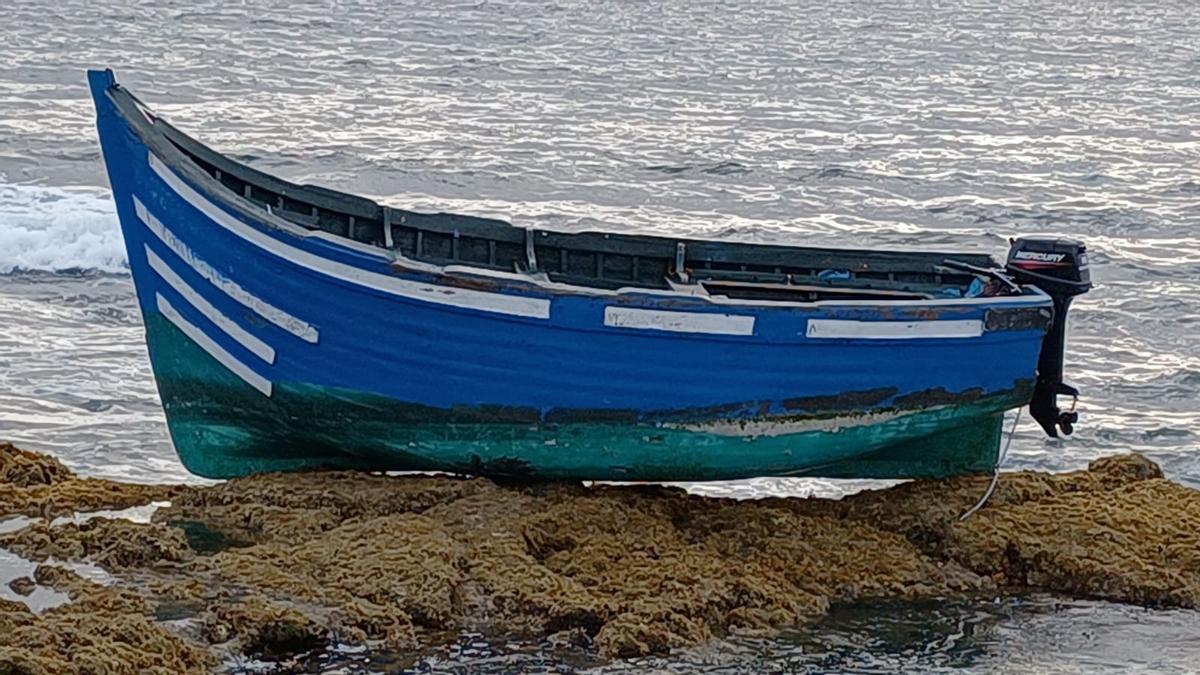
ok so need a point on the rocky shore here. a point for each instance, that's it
(274, 566)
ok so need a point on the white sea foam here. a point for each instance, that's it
(55, 229)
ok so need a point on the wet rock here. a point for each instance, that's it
(401, 562)
(631, 635)
(572, 638)
(1117, 531)
(1137, 543)
(23, 468)
(377, 576)
(22, 585)
(102, 630)
(111, 543)
(79, 495)
(87, 595)
(263, 628)
(294, 507)
(1118, 470)
(32, 484)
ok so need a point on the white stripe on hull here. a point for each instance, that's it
(537, 308)
(893, 330)
(243, 337)
(277, 316)
(214, 350)
(678, 322)
(346, 242)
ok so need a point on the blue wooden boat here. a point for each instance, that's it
(291, 326)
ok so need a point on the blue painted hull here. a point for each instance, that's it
(274, 350)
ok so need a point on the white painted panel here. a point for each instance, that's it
(291, 324)
(214, 350)
(256, 346)
(679, 322)
(894, 330)
(537, 308)
(345, 242)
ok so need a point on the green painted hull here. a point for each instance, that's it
(221, 428)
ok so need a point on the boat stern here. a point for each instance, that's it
(1059, 267)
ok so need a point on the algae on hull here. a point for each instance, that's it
(395, 563)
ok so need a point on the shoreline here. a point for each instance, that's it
(278, 565)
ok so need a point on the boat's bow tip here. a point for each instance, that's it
(105, 74)
(99, 82)
(101, 79)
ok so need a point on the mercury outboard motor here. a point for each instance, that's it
(1060, 268)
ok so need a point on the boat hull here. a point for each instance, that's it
(279, 350)
(222, 427)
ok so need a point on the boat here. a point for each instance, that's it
(294, 327)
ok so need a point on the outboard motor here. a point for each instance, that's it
(1060, 268)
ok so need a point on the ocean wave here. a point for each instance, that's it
(55, 229)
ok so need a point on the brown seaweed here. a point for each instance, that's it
(33, 484)
(399, 562)
(100, 631)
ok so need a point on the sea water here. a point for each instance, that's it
(914, 124)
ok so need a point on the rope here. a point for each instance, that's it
(995, 470)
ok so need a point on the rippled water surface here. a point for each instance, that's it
(898, 124)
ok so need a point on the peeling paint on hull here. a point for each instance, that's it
(771, 427)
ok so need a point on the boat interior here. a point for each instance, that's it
(760, 272)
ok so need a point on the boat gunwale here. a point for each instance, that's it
(151, 130)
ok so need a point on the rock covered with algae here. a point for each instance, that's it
(112, 543)
(1118, 531)
(33, 484)
(279, 565)
(101, 630)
